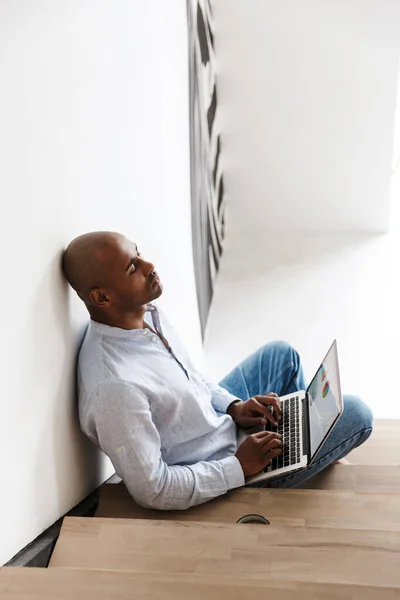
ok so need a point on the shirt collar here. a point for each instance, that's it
(118, 331)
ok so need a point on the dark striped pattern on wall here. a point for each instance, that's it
(207, 186)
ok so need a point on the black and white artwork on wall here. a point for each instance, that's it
(207, 185)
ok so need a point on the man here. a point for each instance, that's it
(170, 433)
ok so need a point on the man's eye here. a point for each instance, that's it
(134, 265)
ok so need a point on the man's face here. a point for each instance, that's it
(133, 280)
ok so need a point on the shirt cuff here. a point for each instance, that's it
(233, 472)
(222, 400)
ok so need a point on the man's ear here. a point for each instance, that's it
(99, 298)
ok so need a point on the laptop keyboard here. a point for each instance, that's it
(289, 428)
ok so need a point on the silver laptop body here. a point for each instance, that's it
(307, 419)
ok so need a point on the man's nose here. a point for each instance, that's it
(148, 267)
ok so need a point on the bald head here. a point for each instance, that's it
(111, 277)
(86, 260)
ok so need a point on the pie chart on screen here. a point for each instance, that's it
(326, 389)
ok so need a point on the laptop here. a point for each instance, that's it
(307, 419)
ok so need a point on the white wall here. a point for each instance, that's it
(94, 135)
(308, 94)
(396, 145)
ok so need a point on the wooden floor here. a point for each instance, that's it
(382, 448)
(256, 552)
(311, 508)
(358, 478)
(336, 538)
(85, 584)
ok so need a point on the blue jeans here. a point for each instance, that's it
(276, 367)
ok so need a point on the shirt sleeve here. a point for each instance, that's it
(220, 397)
(128, 436)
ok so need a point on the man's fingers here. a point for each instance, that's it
(271, 454)
(273, 400)
(259, 407)
(272, 445)
(265, 436)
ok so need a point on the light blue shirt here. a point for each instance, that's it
(163, 426)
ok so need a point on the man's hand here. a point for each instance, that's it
(257, 450)
(256, 411)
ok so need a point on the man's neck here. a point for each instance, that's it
(133, 320)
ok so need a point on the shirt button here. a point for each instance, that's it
(144, 331)
(154, 339)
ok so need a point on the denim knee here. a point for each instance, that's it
(361, 414)
(282, 350)
(279, 346)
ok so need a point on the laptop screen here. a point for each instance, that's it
(325, 399)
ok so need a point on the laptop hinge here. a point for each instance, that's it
(306, 427)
